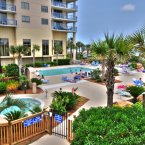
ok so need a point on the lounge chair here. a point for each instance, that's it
(137, 82)
(66, 79)
(95, 63)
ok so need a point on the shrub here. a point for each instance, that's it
(23, 79)
(135, 91)
(95, 74)
(12, 85)
(134, 59)
(37, 81)
(63, 61)
(110, 126)
(133, 65)
(3, 87)
(63, 101)
(12, 70)
(116, 73)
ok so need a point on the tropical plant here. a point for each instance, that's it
(79, 46)
(12, 85)
(137, 39)
(35, 48)
(88, 49)
(8, 102)
(95, 74)
(117, 48)
(12, 70)
(2, 87)
(72, 47)
(13, 52)
(64, 101)
(14, 115)
(57, 50)
(19, 50)
(110, 126)
(100, 49)
(36, 109)
(63, 61)
(37, 81)
(135, 91)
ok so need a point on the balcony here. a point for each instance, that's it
(7, 7)
(64, 28)
(8, 22)
(60, 16)
(63, 5)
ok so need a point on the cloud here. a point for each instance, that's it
(128, 8)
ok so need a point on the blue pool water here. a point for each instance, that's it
(30, 104)
(61, 71)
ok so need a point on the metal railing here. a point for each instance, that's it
(64, 28)
(64, 5)
(7, 7)
(8, 22)
(63, 16)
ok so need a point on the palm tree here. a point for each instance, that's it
(57, 50)
(116, 46)
(20, 49)
(35, 48)
(137, 40)
(79, 45)
(13, 52)
(87, 47)
(14, 115)
(8, 102)
(99, 49)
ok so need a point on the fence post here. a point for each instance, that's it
(68, 136)
(50, 122)
(143, 101)
(10, 132)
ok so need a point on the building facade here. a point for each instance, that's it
(42, 22)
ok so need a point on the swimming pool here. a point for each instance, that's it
(60, 71)
(30, 103)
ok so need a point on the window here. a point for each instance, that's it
(27, 42)
(4, 47)
(25, 5)
(44, 9)
(58, 47)
(26, 19)
(44, 21)
(45, 47)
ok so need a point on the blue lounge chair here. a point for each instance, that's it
(138, 82)
(95, 63)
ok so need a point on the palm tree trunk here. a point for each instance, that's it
(110, 81)
(34, 59)
(103, 70)
(19, 63)
(57, 57)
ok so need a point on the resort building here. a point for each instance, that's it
(42, 22)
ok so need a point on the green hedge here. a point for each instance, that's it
(12, 70)
(63, 61)
(110, 126)
(41, 64)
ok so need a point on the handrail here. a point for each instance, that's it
(5, 21)
(9, 7)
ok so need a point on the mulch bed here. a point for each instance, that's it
(28, 91)
(81, 102)
(101, 83)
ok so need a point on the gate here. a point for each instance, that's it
(59, 124)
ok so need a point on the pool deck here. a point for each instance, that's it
(96, 94)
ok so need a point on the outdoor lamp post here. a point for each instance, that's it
(25, 87)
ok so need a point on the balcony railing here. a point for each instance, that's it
(8, 7)
(8, 22)
(62, 16)
(64, 5)
(64, 28)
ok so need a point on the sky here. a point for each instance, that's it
(96, 17)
